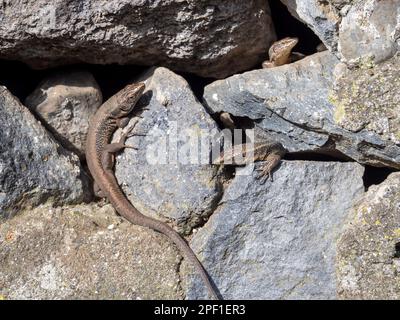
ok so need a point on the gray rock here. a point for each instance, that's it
(65, 102)
(370, 32)
(296, 105)
(368, 99)
(358, 32)
(319, 17)
(33, 167)
(277, 240)
(368, 258)
(84, 252)
(159, 178)
(207, 38)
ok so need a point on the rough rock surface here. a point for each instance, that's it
(209, 38)
(359, 32)
(368, 261)
(65, 102)
(317, 16)
(368, 99)
(295, 104)
(370, 31)
(33, 167)
(168, 176)
(84, 252)
(277, 240)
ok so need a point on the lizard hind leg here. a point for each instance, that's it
(97, 191)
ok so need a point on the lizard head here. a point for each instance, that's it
(282, 48)
(127, 99)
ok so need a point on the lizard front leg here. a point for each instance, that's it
(270, 163)
(109, 151)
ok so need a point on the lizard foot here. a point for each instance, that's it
(265, 175)
(268, 167)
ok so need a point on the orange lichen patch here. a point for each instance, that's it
(9, 236)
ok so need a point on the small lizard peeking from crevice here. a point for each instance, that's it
(280, 53)
(270, 153)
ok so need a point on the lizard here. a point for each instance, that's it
(270, 153)
(113, 114)
(280, 53)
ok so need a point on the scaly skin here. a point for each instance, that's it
(270, 153)
(279, 52)
(99, 154)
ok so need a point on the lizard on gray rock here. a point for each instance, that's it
(113, 114)
(270, 153)
(280, 53)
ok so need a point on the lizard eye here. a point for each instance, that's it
(126, 107)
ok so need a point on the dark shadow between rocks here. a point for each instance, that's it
(397, 250)
(375, 176)
(288, 26)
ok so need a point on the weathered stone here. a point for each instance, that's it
(318, 16)
(368, 259)
(277, 240)
(368, 99)
(84, 252)
(65, 102)
(204, 37)
(294, 104)
(359, 32)
(33, 167)
(370, 32)
(169, 176)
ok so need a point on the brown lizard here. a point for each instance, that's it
(280, 53)
(113, 114)
(270, 153)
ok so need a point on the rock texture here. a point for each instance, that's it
(33, 167)
(318, 16)
(65, 102)
(370, 31)
(209, 38)
(368, 99)
(359, 32)
(368, 261)
(168, 177)
(84, 252)
(277, 240)
(295, 104)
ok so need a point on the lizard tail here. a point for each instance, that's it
(187, 253)
(128, 211)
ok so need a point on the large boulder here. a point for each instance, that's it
(84, 252)
(307, 106)
(368, 260)
(33, 166)
(277, 240)
(207, 38)
(168, 177)
(359, 32)
(65, 102)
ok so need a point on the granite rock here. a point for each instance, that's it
(295, 104)
(277, 240)
(84, 252)
(358, 32)
(65, 102)
(368, 258)
(205, 37)
(168, 177)
(33, 166)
